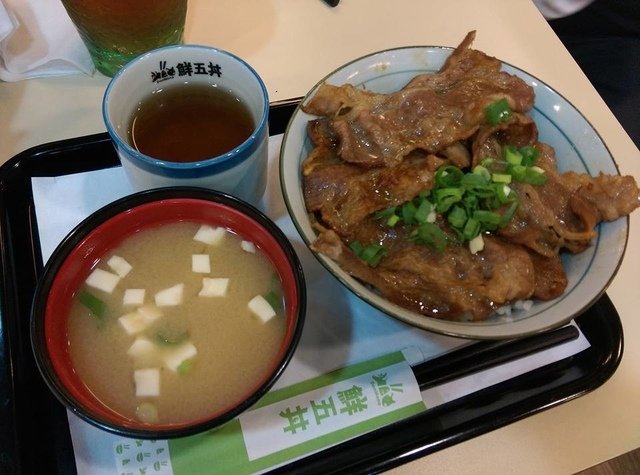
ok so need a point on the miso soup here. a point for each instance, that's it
(178, 322)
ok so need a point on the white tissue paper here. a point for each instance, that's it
(38, 39)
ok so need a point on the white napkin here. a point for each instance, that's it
(38, 39)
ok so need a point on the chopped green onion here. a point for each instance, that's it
(501, 178)
(448, 176)
(378, 257)
(184, 367)
(498, 111)
(393, 220)
(504, 193)
(371, 254)
(506, 217)
(422, 212)
(96, 306)
(471, 229)
(275, 299)
(356, 247)
(385, 213)
(446, 197)
(425, 193)
(532, 175)
(487, 162)
(165, 339)
(472, 203)
(472, 181)
(512, 155)
(535, 176)
(518, 172)
(457, 217)
(431, 235)
(408, 211)
(490, 220)
(521, 164)
(529, 155)
(482, 171)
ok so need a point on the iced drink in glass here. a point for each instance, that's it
(116, 31)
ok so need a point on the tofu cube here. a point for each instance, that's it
(133, 323)
(173, 357)
(248, 246)
(133, 297)
(138, 321)
(119, 265)
(147, 382)
(214, 287)
(261, 308)
(103, 280)
(142, 348)
(209, 234)
(150, 312)
(170, 297)
(200, 263)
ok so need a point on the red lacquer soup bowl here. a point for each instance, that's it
(103, 231)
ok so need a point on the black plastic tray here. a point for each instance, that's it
(34, 432)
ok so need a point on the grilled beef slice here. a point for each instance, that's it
(454, 284)
(431, 113)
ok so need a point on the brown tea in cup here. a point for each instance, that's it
(189, 123)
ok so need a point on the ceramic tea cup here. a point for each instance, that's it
(178, 117)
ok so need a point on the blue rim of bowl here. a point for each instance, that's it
(75, 237)
(201, 168)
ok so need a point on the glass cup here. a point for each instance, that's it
(116, 31)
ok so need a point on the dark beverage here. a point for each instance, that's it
(189, 123)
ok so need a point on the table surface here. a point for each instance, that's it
(292, 44)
